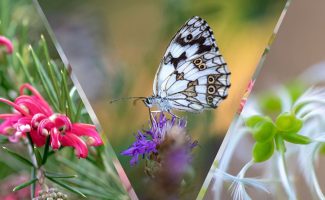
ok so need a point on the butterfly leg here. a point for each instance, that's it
(172, 114)
(152, 118)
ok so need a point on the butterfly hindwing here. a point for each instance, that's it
(192, 75)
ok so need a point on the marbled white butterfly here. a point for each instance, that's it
(192, 75)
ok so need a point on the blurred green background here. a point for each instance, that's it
(115, 47)
(36, 61)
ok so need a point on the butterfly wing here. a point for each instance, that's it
(192, 75)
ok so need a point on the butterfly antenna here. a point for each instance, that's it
(126, 98)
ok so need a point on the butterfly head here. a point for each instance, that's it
(148, 101)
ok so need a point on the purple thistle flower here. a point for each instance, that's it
(142, 146)
(149, 142)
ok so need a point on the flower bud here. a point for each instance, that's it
(263, 131)
(263, 151)
(253, 120)
(287, 122)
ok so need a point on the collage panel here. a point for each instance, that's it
(51, 147)
(123, 43)
(275, 147)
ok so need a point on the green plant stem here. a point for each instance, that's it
(284, 177)
(282, 167)
(33, 186)
(313, 177)
(32, 156)
(46, 150)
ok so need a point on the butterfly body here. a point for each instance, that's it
(192, 75)
(161, 103)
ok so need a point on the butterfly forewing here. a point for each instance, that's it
(192, 75)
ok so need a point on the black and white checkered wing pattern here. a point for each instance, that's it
(192, 75)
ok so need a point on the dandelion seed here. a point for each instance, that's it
(239, 182)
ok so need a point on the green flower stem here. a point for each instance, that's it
(33, 186)
(282, 167)
(314, 179)
(279, 143)
(46, 150)
(32, 156)
(38, 171)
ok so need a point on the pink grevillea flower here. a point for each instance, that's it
(28, 112)
(35, 117)
(247, 92)
(65, 133)
(7, 43)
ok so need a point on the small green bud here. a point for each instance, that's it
(253, 120)
(263, 151)
(270, 103)
(263, 131)
(287, 122)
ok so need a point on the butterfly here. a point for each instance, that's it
(192, 75)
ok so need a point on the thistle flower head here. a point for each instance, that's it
(167, 150)
(163, 134)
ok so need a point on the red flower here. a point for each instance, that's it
(33, 115)
(7, 43)
(27, 110)
(65, 133)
